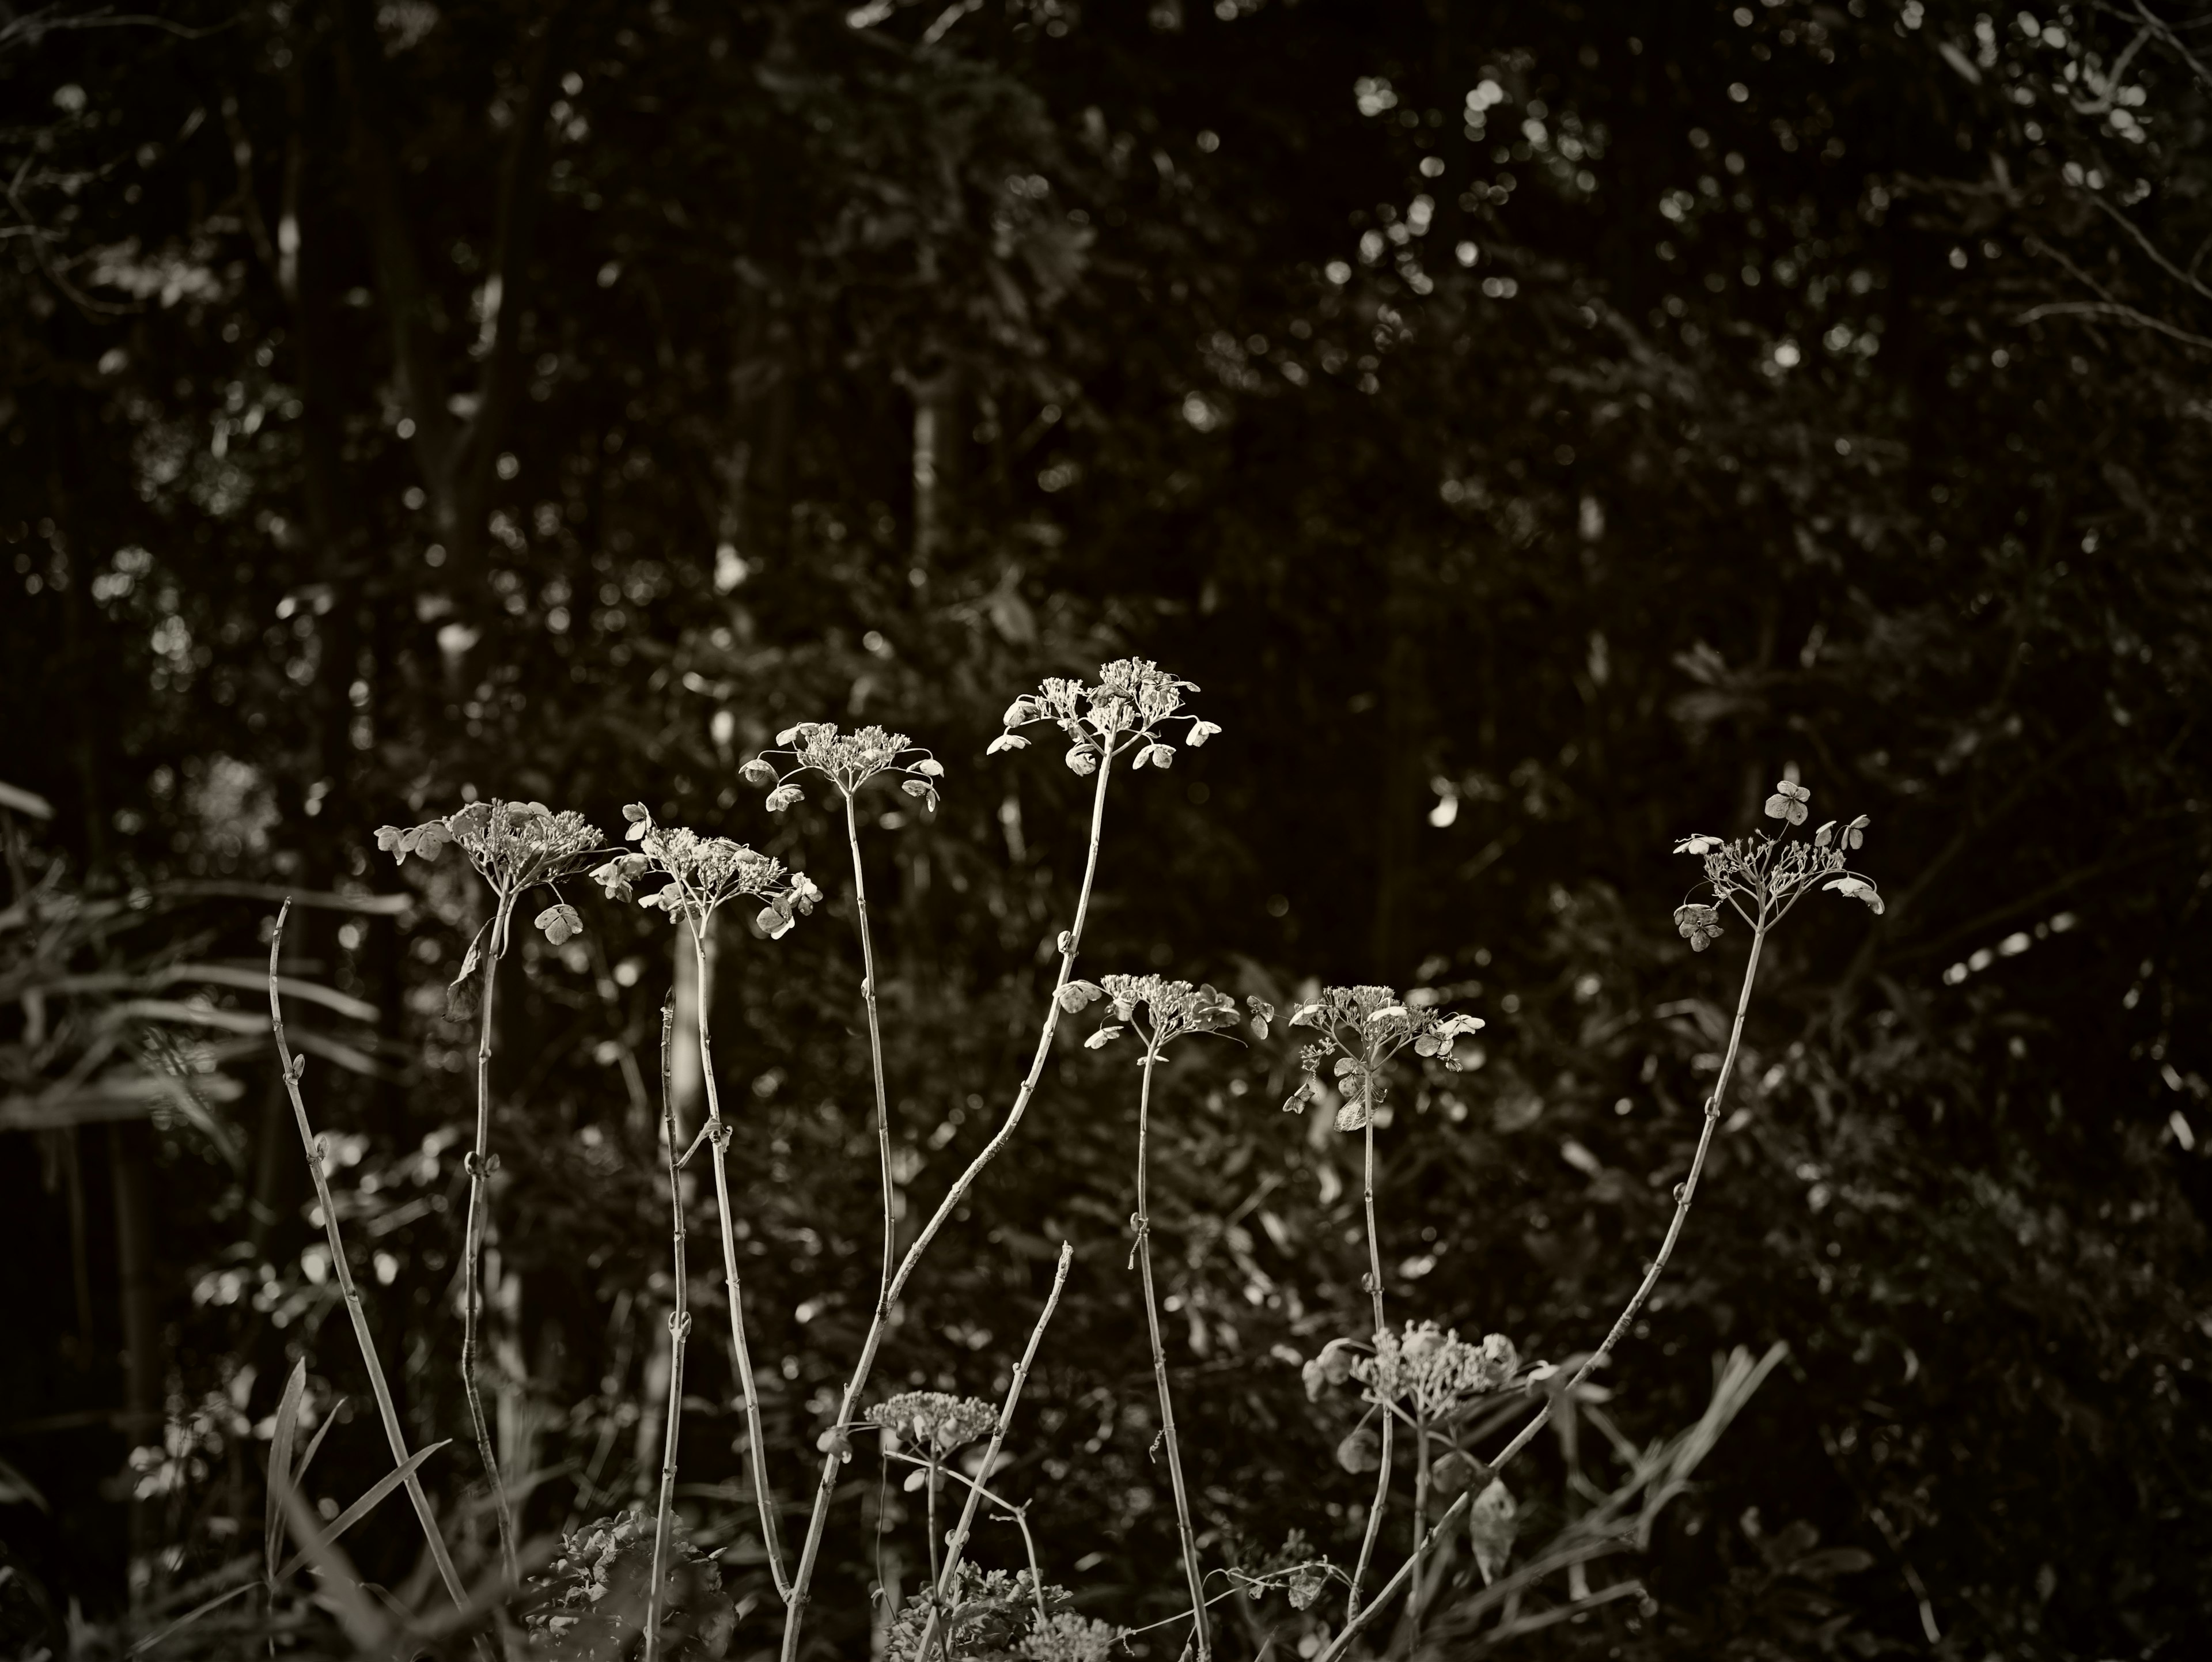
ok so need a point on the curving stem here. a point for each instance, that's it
(473, 1245)
(718, 1134)
(840, 1433)
(679, 1330)
(1684, 1194)
(1144, 1226)
(1375, 1291)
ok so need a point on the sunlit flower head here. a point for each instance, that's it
(1124, 712)
(703, 872)
(847, 760)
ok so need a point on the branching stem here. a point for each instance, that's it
(841, 1432)
(1684, 1194)
(941, 1610)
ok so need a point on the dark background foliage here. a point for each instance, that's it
(405, 402)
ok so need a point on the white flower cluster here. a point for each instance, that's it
(1430, 1371)
(1173, 1007)
(847, 760)
(1767, 872)
(1069, 1638)
(1362, 1028)
(703, 872)
(1122, 713)
(513, 846)
(934, 1419)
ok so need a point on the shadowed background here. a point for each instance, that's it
(1534, 428)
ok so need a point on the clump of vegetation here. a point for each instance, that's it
(1415, 1399)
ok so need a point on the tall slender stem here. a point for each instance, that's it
(941, 1608)
(1143, 1224)
(386, 1410)
(679, 1330)
(472, 1246)
(875, 1043)
(840, 1433)
(1684, 1194)
(1374, 1293)
(1420, 1514)
(718, 1134)
(931, 1485)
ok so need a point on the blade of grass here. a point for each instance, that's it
(368, 1502)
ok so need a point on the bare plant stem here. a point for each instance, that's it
(840, 1433)
(1684, 1194)
(931, 1484)
(385, 1409)
(941, 1608)
(875, 1042)
(1144, 1226)
(679, 1330)
(1420, 1518)
(1374, 1291)
(473, 1245)
(718, 1133)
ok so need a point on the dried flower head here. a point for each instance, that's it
(847, 760)
(1361, 1029)
(1432, 1372)
(934, 1420)
(1124, 712)
(1172, 1009)
(703, 872)
(1068, 1638)
(1761, 877)
(513, 846)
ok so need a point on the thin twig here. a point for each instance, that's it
(958, 1543)
(840, 1433)
(292, 1069)
(679, 1330)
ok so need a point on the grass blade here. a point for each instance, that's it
(367, 1503)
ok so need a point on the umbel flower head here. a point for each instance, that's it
(1425, 1370)
(1172, 1009)
(847, 760)
(512, 845)
(703, 872)
(1125, 711)
(1761, 877)
(1361, 1029)
(933, 1419)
